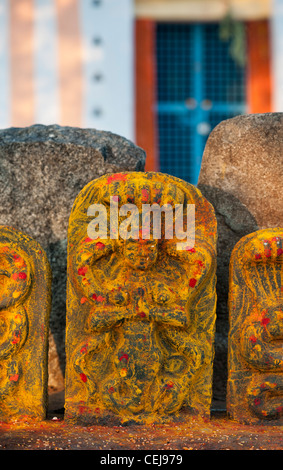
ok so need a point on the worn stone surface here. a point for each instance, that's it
(140, 312)
(255, 359)
(243, 157)
(25, 301)
(42, 169)
(241, 175)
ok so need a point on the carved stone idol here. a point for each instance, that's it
(255, 372)
(140, 301)
(25, 286)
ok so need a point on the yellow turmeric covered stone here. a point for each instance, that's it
(25, 284)
(140, 301)
(255, 351)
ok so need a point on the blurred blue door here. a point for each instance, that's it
(199, 85)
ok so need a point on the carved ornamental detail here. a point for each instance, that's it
(140, 311)
(255, 380)
(25, 279)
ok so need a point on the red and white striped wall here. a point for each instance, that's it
(91, 63)
(68, 62)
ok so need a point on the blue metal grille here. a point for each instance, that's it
(199, 85)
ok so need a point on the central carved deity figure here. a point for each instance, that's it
(140, 310)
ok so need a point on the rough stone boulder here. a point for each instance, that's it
(42, 169)
(241, 175)
(243, 157)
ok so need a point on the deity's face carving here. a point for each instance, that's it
(140, 254)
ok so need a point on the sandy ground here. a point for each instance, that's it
(220, 433)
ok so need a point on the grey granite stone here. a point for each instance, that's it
(42, 169)
(241, 175)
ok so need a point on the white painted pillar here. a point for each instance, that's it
(276, 22)
(5, 117)
(108, 47)
(47, 106)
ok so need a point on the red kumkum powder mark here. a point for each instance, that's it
(100, 298)
(111, 390)
(22, 275)
(14, 378)
(257, 401)
(117, 177)
(100, 245)
(83, 300)
(84, 349)
(265, 321)
(169, 385)
(253, 339)
(16, 338)
(145, 194)
(279, 409)
(257, 256)
(192, 282)
(83, 377)
(82, 271)
(15, 276)
(124, 356)
(279, 251)
(200, 263)
(141, 314)
(82, 409)
(191, 250)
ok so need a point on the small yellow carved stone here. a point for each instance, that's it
(255, 350)
(140, 312)
(25, 285)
